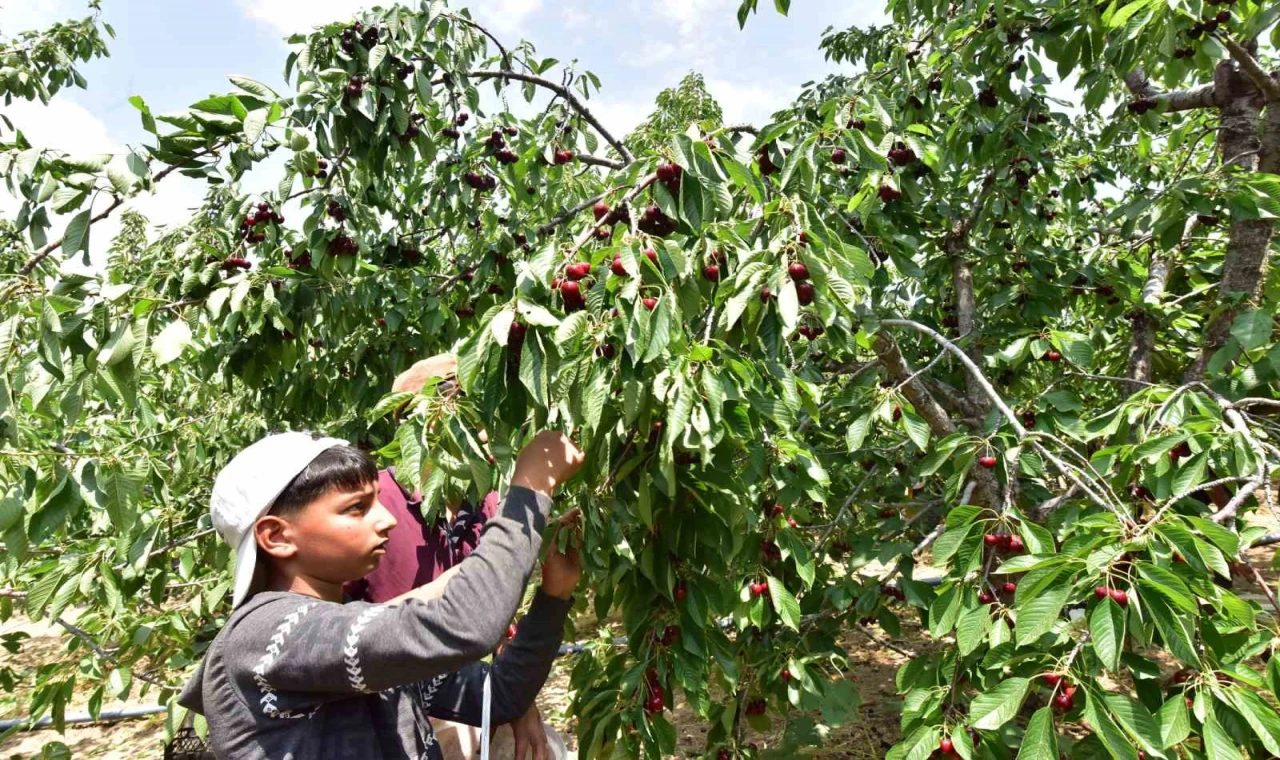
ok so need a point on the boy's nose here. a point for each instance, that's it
(383, 520)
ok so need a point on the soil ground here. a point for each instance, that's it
(869, 736)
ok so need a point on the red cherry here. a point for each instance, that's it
(649, 303)
(946, 746)
(574, 272)
(570, 291)
(804, 291)
(1053, 679)
(798, 271)
(654, 705)
(1053, 356)
(600, 209)
(1015, 544)
(991, 539)
(1063, 702)
(617, 268)
(1190, 702)
(1005, 540)
(837, 156)
(1101, 592)
(776, 510)
(987, 461)
(1008, 587)
(986, 597)
(791, 521)
(1068, 688)
(1120, 597)
(765, 295)
(382, 322)
(786, 675)
(681, 592)
(511, 631)
(711, 273)
(651, 255)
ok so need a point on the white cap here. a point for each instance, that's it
(245, 489)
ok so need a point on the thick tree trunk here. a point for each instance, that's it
(1239, 146)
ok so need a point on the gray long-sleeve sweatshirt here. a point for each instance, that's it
(291, 677)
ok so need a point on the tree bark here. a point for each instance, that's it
(1239, 146)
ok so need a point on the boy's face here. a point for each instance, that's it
(339, 537)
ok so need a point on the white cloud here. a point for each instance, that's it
(750, 103)
(25, 15)
(651, 55)
(619, 116)
(691, 17)
(290, 16)
(572, 18)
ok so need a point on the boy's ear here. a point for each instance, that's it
(274, 536)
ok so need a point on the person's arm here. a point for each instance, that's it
(521, 667)
(517, 673)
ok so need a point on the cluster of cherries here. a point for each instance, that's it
(757, 707)
(480, 182)
(1004, 542)
(369, 38)
(1118, 595)
(619, 270)
(902, 155)
(415, 127)
(250, 224)
(799, 274)
(986, 597)
(452, 132)
(497, 142)
(766, 164)
(657, 695)
(236, 262)
(711, 272)
(563, 156)
(1064, 700)
(655, 222)
(341, 245)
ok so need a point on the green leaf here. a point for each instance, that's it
(1037, 615)
(917, 429)
(76, 237)
(1136, 719)
(1106, 628)
(1108, 732)
(1218, 744)
(1173, 722)
(854, 436)
(1040, 742)
(533, 371)
(8, 332)
(11, 509)
(991, 710)
(784, 603)
(570, 328)
(659, 329)
(1260, 716)
(1167, 585)
(254, 124)
(169, 344)
(1252, 328)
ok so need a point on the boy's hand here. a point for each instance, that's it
(547, 461)
(561, 570)
(412, 379)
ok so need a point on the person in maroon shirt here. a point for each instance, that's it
(420, 551)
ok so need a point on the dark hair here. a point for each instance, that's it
(340, 467)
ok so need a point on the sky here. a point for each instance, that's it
(175, 52)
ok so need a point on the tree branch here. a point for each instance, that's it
(35, 260)
(1203, 96)
(569, 98)
(1269, 88)
(105, 655)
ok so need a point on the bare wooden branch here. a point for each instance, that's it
(569, 98)
(104, 655)
(1251, 68)
(1177, 100)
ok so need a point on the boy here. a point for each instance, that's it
(297, 674)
